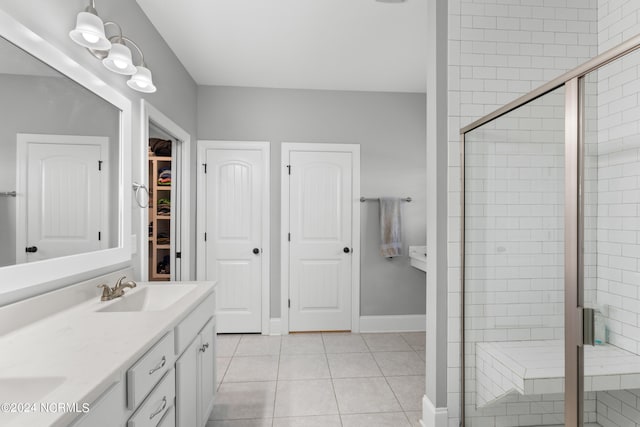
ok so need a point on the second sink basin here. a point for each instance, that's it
(149, 298)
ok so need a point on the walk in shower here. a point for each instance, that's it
(551, 228)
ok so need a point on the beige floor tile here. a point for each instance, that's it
(386, 342)
(252, 368)
(302, 344)
(226, 344)
(394, 419)
(344, 343)
(250, 400)
(364, 395)
(222, 363)
(394, 363)
(313, 421)
(414, 338)
(262, 422)
(303, 367)
(305, 397)
(408, 390)
(253, 345)
(353, 365)
(414, 418)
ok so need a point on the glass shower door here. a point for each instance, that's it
(514, 181)
(611, 248)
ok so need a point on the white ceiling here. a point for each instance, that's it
(361, 45)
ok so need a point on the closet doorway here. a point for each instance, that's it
(164, 251)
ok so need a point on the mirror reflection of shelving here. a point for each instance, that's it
(159, 217)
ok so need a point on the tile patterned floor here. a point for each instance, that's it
(319, 380)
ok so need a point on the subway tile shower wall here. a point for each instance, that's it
(498, 51)
(616, 161)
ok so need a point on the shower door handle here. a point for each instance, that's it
(588, 326)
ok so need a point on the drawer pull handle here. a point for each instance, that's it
(204, 347)
(164, 405)
(159, 366)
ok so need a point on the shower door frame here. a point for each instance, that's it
(573, 81)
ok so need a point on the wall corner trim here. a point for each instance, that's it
(393, 323)
(274, 326)
(432, 416)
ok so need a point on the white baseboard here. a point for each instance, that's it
(432, 416)
(274, 326)
(399, 323)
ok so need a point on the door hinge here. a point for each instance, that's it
(99, 235)
(99, 165)
(205, 237)
(289, 167)
(178, 254)
(289, 303)
(205, 167)
(288, 237)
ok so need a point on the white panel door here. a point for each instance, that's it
(320, 259)
(233, 205)
(65, 200)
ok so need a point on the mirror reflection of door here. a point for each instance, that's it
(62, 208)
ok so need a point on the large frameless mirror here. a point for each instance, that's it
(63, 136)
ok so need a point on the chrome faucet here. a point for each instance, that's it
(117, 291)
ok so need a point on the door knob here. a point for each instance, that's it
(346, 250)
(256, 251)
(31, 249)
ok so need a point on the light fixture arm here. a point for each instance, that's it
(119, 36)
(91, 8)
(132, 43)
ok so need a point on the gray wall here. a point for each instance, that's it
(47, 105)
(176, 95)
(390, 128)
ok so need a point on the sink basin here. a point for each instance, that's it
(149, 298)
(27, 389)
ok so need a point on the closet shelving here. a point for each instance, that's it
(159, 219)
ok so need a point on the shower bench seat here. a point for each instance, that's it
(537, 367)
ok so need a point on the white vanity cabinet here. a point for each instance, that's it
(195, 371)
(171, 384)
(105, 410)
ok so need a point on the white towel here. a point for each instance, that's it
(390, 227)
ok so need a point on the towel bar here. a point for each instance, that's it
(8, 193)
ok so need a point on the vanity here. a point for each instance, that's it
(144, 359)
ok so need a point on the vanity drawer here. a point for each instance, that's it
(159, 402)
(169, 419)
(191, 325)
(147, 371)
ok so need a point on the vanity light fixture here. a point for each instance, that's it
(113, 51)
(89, 30)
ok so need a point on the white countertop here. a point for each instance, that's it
(83, 350)
(418, 257)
